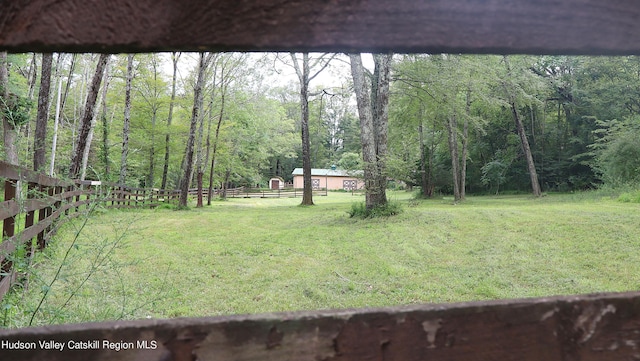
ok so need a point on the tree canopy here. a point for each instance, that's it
(451, 126)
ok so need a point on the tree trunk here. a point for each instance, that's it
(432, 152)
(54, 141)
(105, 128)
(87, 148)
(381, 119)
(152, 150)
(535, 185)
(533, 175)
(197, 101)
(32, 76)
(9, 129)
(87, 117)
(42, 117)
(208, 142)
(199, 177)
(375, 194)
(94, 121)
(126, 124)
(303, 77)
(424, 182)
(373, 114)
(225, 183)
(153, 103)
(60, 113)
(199, 156)
(165, 170)
(465, 145)
(452, 130)
(200, 161)
(215, 140)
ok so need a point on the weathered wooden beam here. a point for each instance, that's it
(432, 26)
(17, 173)
(9, 223)
(592, 327)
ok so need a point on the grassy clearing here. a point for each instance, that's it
(264, 255)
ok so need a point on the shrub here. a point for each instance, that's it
(359, 210)
(167, 206)
(629, 197)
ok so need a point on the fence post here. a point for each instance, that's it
(80, 187)
(9, 224)
(68, 199)
(31, 215)
(58, 193)
(42, 215)
(89, 190)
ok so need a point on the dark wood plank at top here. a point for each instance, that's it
(593, 327)
(470, 26)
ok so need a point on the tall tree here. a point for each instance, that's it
(104, 151)
(175, 57)
(151, 88)
(127, 121)
(229, 67)
(204, 61)
(43, 113)
(10, 128)
(452, 131)
(87, 118)
(304, 77)
(223, 91)
(200, 162)
(59, 113)
(465, 142)
(373, 112)
(510, 93)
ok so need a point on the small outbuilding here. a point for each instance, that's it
(276, 183)
(331, 179)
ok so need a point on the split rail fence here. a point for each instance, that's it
(43, 202)
(243, 192)
(599, 327)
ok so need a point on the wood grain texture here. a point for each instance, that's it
(432, 26)
(592, 327)
(14, 172)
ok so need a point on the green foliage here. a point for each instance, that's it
(350, 161)
(360, 210)
(629, 197)
(16, 109)
(167, 206)
(77, 278)
(618, 153)
(493, 174)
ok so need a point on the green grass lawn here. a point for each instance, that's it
(265, 255)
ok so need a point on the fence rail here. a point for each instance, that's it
(42, 203)
(243, 192)
(592, 327)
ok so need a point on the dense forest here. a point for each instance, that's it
(456, 124)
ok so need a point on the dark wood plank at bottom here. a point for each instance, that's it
(589, 327)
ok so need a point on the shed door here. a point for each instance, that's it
(275, 184)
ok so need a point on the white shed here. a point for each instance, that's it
(276, 183)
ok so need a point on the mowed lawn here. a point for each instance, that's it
(265, 255)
